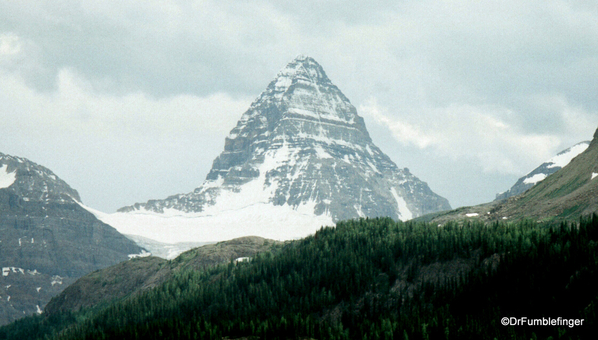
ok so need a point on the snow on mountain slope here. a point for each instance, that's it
(565, 195)
(564, 157)
(544, 170)
(6, 178)
(263, 219)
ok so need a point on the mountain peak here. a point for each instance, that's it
(34, 182)
(304, 66)
(300, 103)
(301, 150)
(48, 239)
(565, 195)
(302, 57)
(302, 71)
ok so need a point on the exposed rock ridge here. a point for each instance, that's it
(34, 182)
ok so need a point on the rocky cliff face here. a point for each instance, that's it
(47, 239)
(302, 145)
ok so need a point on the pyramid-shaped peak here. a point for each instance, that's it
(301, 102)
(301, 146)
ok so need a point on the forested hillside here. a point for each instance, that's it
(133, 277)
(366, 279)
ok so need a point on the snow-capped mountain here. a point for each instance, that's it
(544, 170)
(47, 240)
(299, 157)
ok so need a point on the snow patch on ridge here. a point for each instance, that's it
(56, 280)
(534, 179)
(564, 158)
(7, 178)
(321, 153)
(7, 270)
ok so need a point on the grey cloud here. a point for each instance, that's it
(534, 63)
(127, 52)
(509, 50)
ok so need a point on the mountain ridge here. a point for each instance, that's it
(566, 195)
(47, 239)
(544, 170)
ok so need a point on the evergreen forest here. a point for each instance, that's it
(366, 279)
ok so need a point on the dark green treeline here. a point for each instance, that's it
(367, 279)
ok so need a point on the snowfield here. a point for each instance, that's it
(263, 219)
(247, 212)
(534, 179)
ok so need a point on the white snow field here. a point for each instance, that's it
(184, 229)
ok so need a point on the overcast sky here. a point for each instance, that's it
(131, 100)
